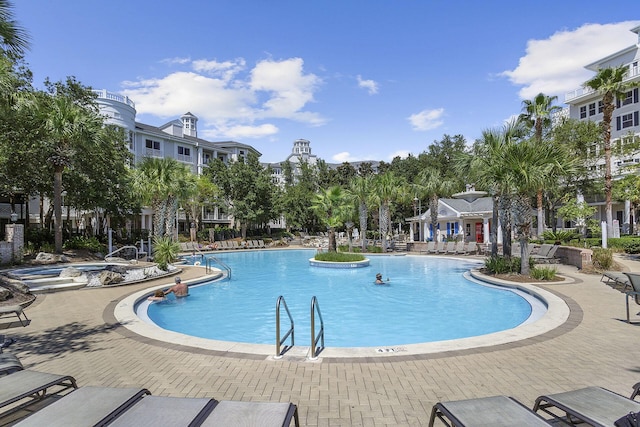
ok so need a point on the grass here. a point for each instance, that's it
(338, 257)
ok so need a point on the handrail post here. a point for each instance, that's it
(314, 338)
(291, 332)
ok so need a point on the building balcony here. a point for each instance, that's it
(104, 94)
(634, 73)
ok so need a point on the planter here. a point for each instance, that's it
(330, 264)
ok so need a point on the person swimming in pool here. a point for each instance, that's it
(157, 296)
(179, 289)
(379, 280)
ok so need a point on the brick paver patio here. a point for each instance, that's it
(73, 332)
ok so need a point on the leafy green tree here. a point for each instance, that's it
(610, 83)
(205, 193)
(572, 210)
(345, 174)
(386, 190)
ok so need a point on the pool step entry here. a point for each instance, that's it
(315, 339)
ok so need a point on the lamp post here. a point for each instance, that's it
(14, 217)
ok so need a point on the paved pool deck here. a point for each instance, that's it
(75, 332)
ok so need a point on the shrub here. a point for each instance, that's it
(632, 246)
(81, 242)
(560, 235)
(338, 257)
(165, 251)
(502, 265)
(543, 273)
(602, 258)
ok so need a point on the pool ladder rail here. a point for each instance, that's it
(315, 339)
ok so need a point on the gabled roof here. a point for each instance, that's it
(456, 208)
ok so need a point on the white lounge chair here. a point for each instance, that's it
(495, 411)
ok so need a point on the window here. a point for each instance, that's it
(152, 145)
(583, 112)
(628, 99)
(600, 107)
(207, 159)
(592, 109)
(627, 121)
(184, 151)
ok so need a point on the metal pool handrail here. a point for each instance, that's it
(280, 341)
(122, 248)
(211, 259)
(315, 308)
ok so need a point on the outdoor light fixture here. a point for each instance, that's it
(14, 217)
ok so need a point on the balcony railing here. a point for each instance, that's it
(634, 71)
(104, 94)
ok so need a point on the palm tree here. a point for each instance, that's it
(537, 114)
(360, 192)
(387, 188)
(433, 185)
(68, 126)
(162, 183)
(609, 82)
(328, 205)
(13, 39)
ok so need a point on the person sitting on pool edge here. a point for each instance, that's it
(179, 289)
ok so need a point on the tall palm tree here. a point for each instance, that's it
(360, 192)
(609, 82)
(13, 38)
(68, 126)
(162, 183)
(433, 185)
(537, 114)
(329, 205)
(386, 190)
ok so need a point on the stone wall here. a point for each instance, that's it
(12, 250)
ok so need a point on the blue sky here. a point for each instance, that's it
(362, 80)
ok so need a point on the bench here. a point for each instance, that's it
(14, 310)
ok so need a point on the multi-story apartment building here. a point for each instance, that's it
(586, 104)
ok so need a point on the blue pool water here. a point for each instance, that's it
(427, 299)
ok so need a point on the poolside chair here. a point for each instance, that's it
(14, 310)
(9, 364)
(634, 280)
(255, 244)
(616, 278)
(545, 255)
(593, 405)
(495, 411)
(33, 385)
(431, 247)
(261, 244)
(86, 406)
(450, 248)
(158, 411)
(472, 247)
(440, 248)
(636, 391)
(235, 245)
(252, 414)
(460, 247)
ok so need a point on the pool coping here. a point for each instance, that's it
(560, 311)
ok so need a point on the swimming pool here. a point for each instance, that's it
(428, 299)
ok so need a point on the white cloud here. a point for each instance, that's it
(342, 157)
(403, 154)
(370, 85)
(176, 60)
(555, 66)
(230, 100)
(427, 119)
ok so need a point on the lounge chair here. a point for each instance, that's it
(262, 244)
(235, 245)
(636, 391)
(440, 248)
(616, 278)
(431, 247)
(252, 414)
(593, 405)
(450, 248)
(9, 364)
(158, 411)
(33, 385)
(14, 310)
(495, 411)
(460, 247)
(86, 406)
(545, 255)
(256, 244)
(472, 247)
(634, 280)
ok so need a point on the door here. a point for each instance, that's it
(479, 233)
